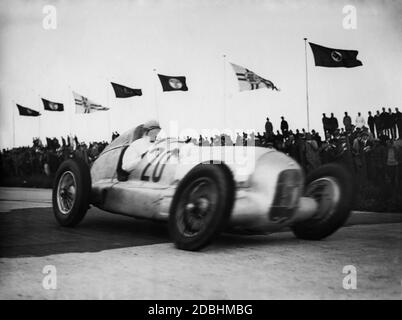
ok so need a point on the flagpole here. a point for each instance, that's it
(14, 106)
(307, 102)
(39, 121)
(39, 117)
(155, 93)
(70, 114)
(224, 90)
(39, 127)
(110, 112)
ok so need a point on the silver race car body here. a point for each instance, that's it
(204, 190)
(268, 185)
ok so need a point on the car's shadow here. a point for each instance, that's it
(35, 232)
(234, 241)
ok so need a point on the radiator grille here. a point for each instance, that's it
(288, 191)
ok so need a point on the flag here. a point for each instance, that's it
(334, 58)
(125, 92)
(84, 105)
(173, 83)
(52, 106)
(23, 111)
(248, 80)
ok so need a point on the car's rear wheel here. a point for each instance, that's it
(201, 206)
(71, 192)
(332, 188)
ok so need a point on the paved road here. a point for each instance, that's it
(28, 228)
(19, 198)
(111, 256)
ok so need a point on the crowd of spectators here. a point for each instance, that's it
(386, 123)
(372, 154)
(44, 159)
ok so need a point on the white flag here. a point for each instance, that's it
(84, 105)
(248, 80)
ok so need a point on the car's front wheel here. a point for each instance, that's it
(332, 188)
(71, 192)
(201, 206)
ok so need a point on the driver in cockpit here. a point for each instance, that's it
(139, 147)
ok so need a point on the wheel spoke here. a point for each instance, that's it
(199, 200)
(66, 192)
(327, 193)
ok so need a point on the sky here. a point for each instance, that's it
(129, 42)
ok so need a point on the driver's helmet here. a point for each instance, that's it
(151, 124)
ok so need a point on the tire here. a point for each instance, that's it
(333, 210)
(71, 192)
(201, 206)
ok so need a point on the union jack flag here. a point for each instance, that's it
(248, 80)
(84, 105)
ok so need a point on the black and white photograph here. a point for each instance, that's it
(217, 151)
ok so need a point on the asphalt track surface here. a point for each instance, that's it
(109, 256)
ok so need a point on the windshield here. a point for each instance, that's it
(126, 138)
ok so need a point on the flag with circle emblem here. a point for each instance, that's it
(24, 111)
(173, 83)
(52, 106)
(125, 92)
(334, 58)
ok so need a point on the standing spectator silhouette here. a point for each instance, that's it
(398, 120)
(384, 121)
(269, 129)
(284, 126)
(392, 123)
(347, 122)
(325, 123)
(333, 124)
(378, 123)
(370, 122)
(360, 122)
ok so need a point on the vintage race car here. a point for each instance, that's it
(204, 190)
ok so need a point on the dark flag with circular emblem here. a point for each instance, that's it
(125, 92)
(170, 83)
(334, 58)
(52, 106)
(24, 111)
